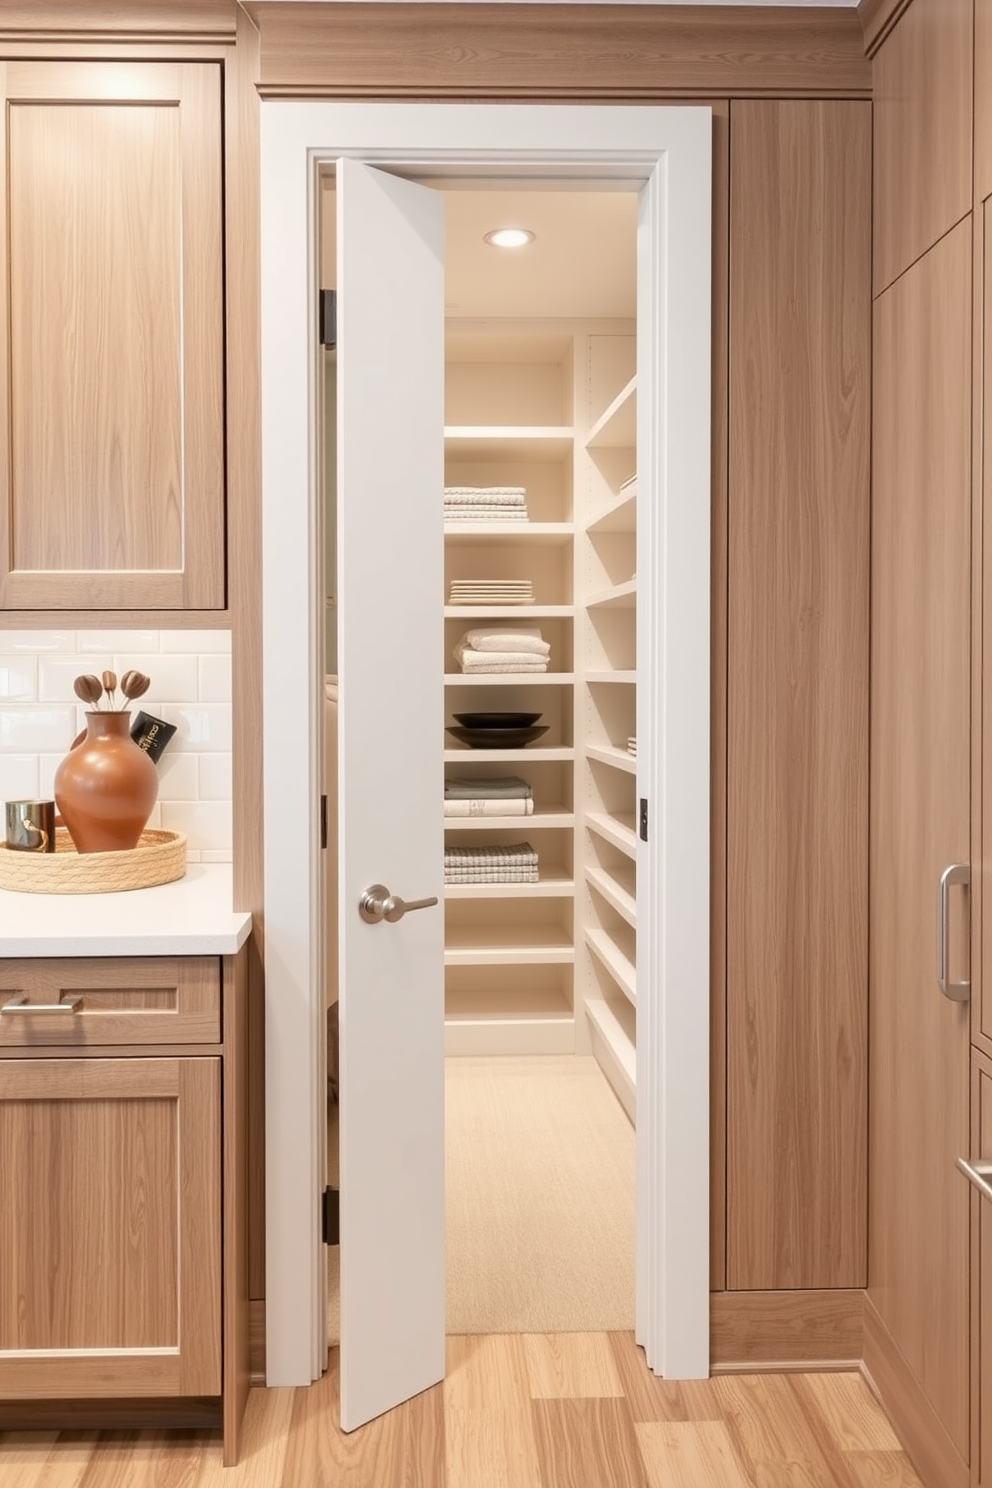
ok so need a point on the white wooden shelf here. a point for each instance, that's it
(520, 1020)
(507, 944)
(627, 677)
(552, 534)
(550, 753)
(544, 442)
(619, 965)
(509, 612)
(612, 1027)
(554, 883)
(618, 759)
(508, 679)
(620, 895)
(619, 516)
(616, 428)
(619, 830)
(553, 816)
(617, 597)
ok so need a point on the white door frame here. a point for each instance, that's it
(666, 151)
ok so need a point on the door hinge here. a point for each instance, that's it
(644, 819)
(323, 821)
(328, 328)
(330, 1216)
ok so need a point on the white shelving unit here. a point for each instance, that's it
(548, 967)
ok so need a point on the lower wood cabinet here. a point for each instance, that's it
(122, 1244)
(982, 1277)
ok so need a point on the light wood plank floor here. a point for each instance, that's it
(567, 1410)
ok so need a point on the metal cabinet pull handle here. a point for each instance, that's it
(957, 873)
(378, 904)
(979, 1173)
(21, 1005)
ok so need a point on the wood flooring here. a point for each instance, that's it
(565, 1410)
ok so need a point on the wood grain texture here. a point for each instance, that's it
(981, 1275)
(822, 1428)
(236, 1317)
(564, 1366)
(786, 1330)
(908, 1408)
(983, 103)
(982, 1005)
(115, 1244)
(877, 18)
(112, 485)
(719, 403)
(920, 817)
(797, 811)
(124, 1000)
(534, 51)
(147, 20)
(923, 133)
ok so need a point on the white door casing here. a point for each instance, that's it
(667, 152)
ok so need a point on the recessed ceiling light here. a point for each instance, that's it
(509, 237)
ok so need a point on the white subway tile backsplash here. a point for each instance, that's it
(205, 823)
(190, 687)
(178, 776)
(215, 679)
(174, 679)
(32, 642)
(215, 778)
(109, 642)
(35, 730)
(18, 678)
(205, 726)
(19, 778)
(198, 641)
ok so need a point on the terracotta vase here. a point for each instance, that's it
(106, 786)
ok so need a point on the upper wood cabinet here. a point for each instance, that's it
(112, 319)
(923, 132)
(797, 804)
(983, 101)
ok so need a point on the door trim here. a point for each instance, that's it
(665, 151)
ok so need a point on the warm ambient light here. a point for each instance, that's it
(509, 237)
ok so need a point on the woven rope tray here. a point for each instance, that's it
(160, 857)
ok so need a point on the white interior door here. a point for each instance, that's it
(390, 581)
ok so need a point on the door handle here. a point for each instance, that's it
(957, 873)
(979, 1173)
(378, 904)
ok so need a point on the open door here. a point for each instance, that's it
(390, 248)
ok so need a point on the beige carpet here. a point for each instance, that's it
(539, 1199)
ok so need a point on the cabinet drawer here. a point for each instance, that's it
(109, 1000)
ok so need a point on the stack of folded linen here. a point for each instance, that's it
(485, 504)
(502, 650)
(492, 591)
(500, 795)
(514, 863)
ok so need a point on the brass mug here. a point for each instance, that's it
(31, 826)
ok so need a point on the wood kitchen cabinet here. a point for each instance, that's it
(122, 1236)
(112, 383)
(982, 1149)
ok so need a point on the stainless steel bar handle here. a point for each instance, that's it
(378, 904)
(957, 873)
(21, 1005)
(979, 1173)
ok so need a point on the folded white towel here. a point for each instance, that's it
(471, 660)
(480, 807)
(505, 495)
(517, 668)
(488, 639)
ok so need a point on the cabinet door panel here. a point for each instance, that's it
(147, 1000)
(920, 808)
(113, 470)
(109, 1227)
(983, 1108)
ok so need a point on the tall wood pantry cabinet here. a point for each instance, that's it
(111, 320)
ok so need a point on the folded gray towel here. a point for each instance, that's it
(505, 787)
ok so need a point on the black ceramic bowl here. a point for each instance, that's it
(497, 720)
(501, 738)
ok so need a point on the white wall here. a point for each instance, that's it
(190, 673)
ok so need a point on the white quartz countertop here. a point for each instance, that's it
(191, 917)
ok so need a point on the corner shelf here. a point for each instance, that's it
(615, 960)
(618, 597)
(619, 896)
(618, 830)
(617, 759)
(627, 677)
(616, 428)
(612, 1027)
(619, 516)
